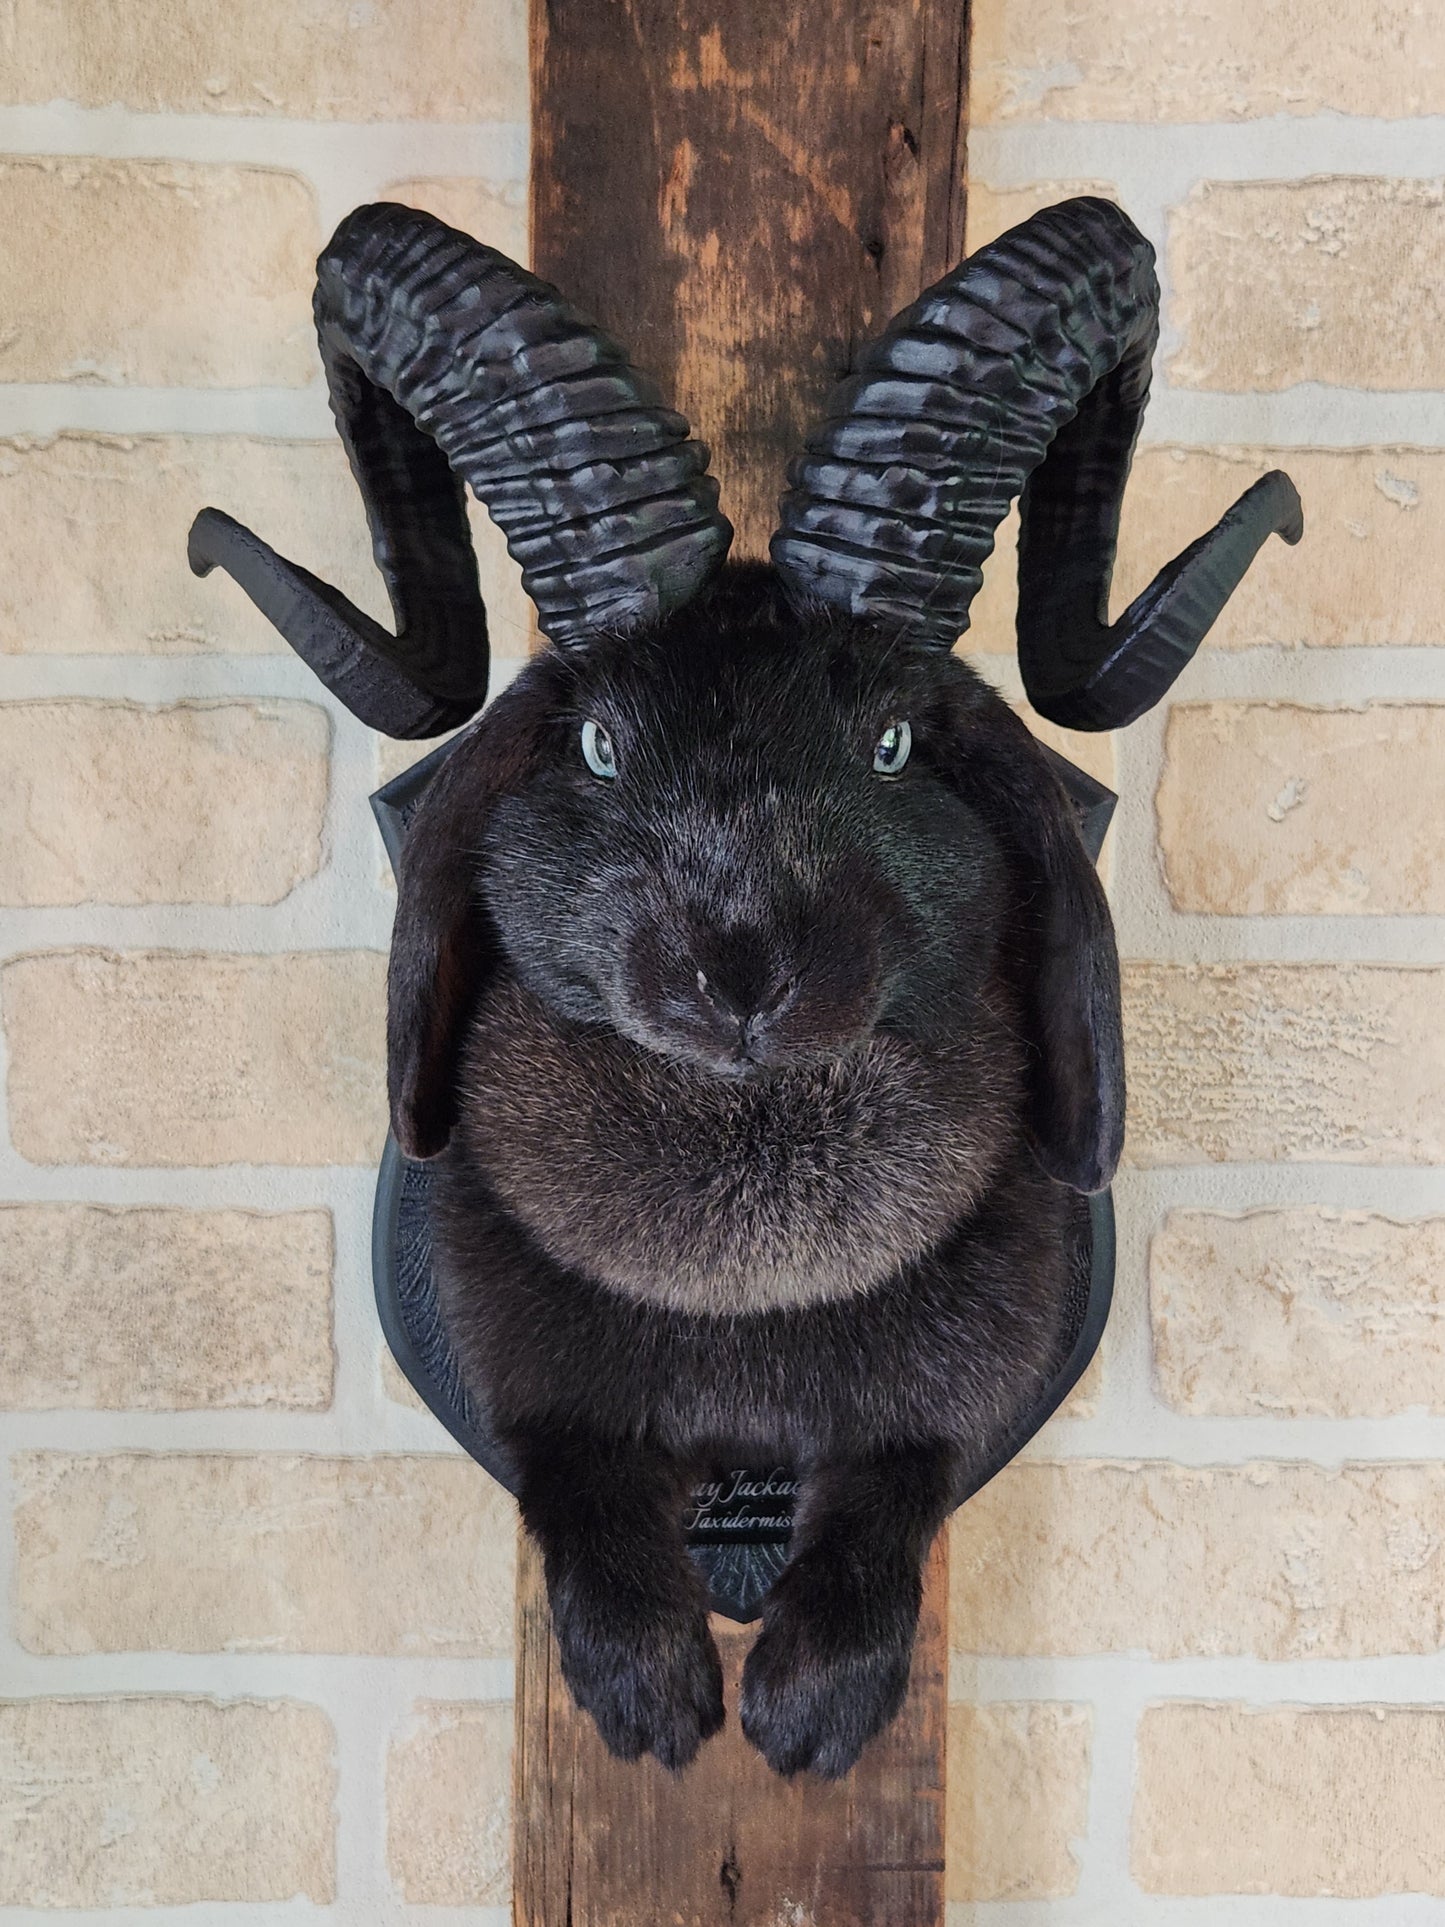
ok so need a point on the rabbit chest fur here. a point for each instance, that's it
(726, 1196)
(950, 1347)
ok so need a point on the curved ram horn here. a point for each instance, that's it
(445, 363)
(1025, 371)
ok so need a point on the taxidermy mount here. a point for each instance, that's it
(751, 988)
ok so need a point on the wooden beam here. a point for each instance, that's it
(597, 1843)
(743, 191)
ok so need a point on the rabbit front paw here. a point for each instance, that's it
(828, 1671)
(647, 1672)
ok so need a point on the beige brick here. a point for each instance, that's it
(201, 1553)
(991, 211)
(168, 1058)
(991, 618)
(450, 60)
(449, 1805)
(1203, 60)
(491, 211)
(1370, 514)
(119, 507)
(1333, 1063)
(1332, 1314)
(1341, 1801)
(162, 273)
(1331, 280)
(199, 802)
(164, 1310)
(1018, 1796)
(1273, 1560)
(1296, 799)
(512, 632)
(164, 1802)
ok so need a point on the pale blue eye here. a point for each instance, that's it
(890, 752)
(597, 750)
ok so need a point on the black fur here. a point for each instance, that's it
(757, 1079)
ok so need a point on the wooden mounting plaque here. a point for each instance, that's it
(743, 191)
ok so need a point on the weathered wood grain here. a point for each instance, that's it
(727, 1843)
(743, 191)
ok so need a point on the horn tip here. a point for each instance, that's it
(1289, 524)
(200, 552)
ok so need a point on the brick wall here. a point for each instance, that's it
(256, 1634)
(256, 1640)
(1200, 1627)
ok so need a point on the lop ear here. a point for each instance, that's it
(443, 945)
(1063, 943)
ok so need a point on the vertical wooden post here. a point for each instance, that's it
(742, 191)
(597, 1843)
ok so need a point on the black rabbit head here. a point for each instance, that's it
(748, 818)
(738, 848)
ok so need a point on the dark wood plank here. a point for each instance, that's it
(727, 1843)
(743, 191)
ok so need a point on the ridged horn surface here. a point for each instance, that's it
(447, 363)
(1024, 373)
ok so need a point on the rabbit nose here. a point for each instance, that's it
(746, 998)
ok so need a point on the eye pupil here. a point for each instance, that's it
(890, 752)
(597, 751)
